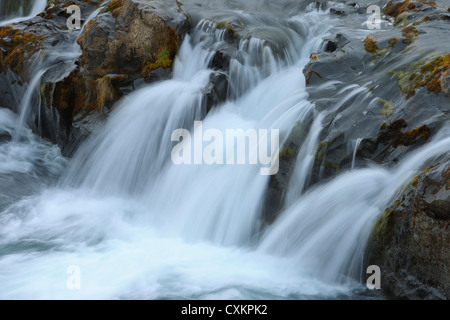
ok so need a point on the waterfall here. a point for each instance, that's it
(140, 227)
(12, 11)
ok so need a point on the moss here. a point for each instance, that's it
(430, 3)
(410, 137)
(370, 44)
(395, 9)
(166, 54)
(387, 109)
(435, 71)
(70, 95)
(17, 46)
(162, 61)
(392, 134)
(321, 150)
(429, 74)
(392, 42)
(113, 6)
(402, 19)
(381, 225)
(333, 166)
(286, 152)
(231, 30)
(409, 33)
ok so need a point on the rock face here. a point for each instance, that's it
(411, 240)
(132, 38)
(383, 95)
(127, 42)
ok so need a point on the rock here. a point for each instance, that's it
(338, 12)
(220, 61)
(217, 90)
(410, 241)
(128, 41)
(133, 38)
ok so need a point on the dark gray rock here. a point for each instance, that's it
(411, 240)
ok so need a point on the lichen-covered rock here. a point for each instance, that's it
(132, 37)
(411, 241)
(128, 41)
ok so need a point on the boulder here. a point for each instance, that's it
(128, 42)
(410, 241)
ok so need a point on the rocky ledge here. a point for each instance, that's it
(384, 93)
(128, 43)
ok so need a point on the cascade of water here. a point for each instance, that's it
(355, 151)
(139, 226)
(25, 105)
(17, 16)
(326, 230)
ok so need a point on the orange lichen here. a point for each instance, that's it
(392, 134)
(309, 75)
(435, 73)
(69, 95)
(409, 33)
(115, 7)
(17, 46)
(392, 42)
(410, 137)
(395, 9)
(370, 44)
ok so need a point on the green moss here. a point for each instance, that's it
(429, 74)
(286, 152)
(371, 45)
(387, 109)
(17, 46)
(380, 226)
(231, 30)
(402, 19)
(332, 165)
(392, 42)
(162, 61)
(395, 9)
(410, 33)
(321, 150)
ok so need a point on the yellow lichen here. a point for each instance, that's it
(392, 42)
(425, 74)
(17, 45)
(409, 33)
(370, 44)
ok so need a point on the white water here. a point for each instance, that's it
(355, 151)
(25, 104)
(38, 7)
(139, 227)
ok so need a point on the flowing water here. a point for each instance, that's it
(139, 227)
(26, 9)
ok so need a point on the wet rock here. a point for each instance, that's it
(128, 41)
(220, 61)
(133, 38)
(217, 90)
(410, 241)
(338, 12)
